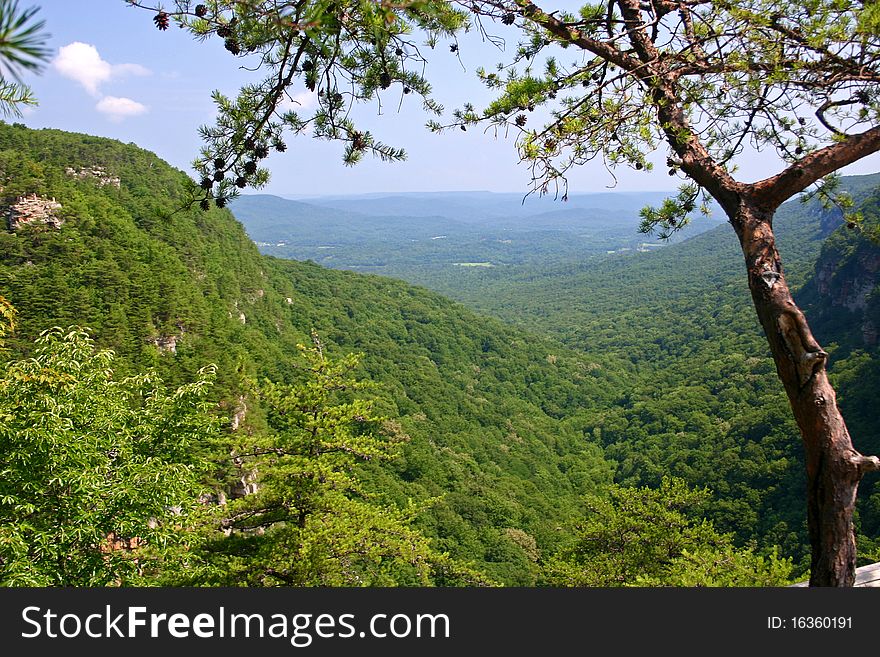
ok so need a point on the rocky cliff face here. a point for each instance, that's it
(851, 286)
(33, 210)
(840, 298)
(96, 173)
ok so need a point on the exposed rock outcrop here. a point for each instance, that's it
(96, 173)
(33, 210)
(240, 413)
(254, 296)
(246, 485)
(213, 499)
(851, 286)
(167, 344)
(841, 299)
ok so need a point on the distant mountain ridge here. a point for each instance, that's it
(487, 208)
(430, 239)
(271, 219)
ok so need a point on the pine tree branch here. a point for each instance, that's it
(797, 177)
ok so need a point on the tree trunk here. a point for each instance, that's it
(834, 467)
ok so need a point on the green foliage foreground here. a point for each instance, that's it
(22, 48)
(102, 478)
(644, 537)
(103, 481)
(308, 520)
(97, 473)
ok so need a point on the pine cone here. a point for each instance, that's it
(161, 20)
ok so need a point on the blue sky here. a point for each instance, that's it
(115, 75)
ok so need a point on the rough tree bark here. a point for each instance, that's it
(834, 468)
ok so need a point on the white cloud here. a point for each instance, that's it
(118, 109)
(82, 63)
(121, 70)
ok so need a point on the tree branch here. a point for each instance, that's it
(865, 464)
(797, 177)
(635, 28)
(575, 37)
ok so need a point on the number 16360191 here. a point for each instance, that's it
(809, 623)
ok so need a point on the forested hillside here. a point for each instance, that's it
(699, 397)
(703, 402)
(525, 442)
(486, 406)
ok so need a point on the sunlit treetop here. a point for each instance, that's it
(7, 319)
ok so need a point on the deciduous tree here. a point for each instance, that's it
(98, 474)
(644, 537)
